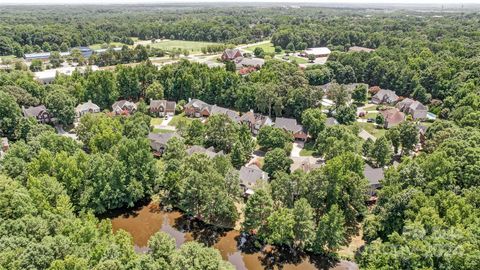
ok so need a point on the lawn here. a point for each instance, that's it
(161, 131)
(7, 57)
(191, 46)
(156, 121)
(267, 47)
(308, 149)
(98, 46)
(178, 118)
(370, 128)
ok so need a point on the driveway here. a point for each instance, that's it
(164, 124)
(62, 132)
(297, 147)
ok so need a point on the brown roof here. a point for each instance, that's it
(231, 53)
(168, 105)
(289, 124)
(34, 111)
(393, 116)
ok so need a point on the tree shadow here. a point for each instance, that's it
(124, 212)
(201, 232)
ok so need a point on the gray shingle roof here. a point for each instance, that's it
(249, 175)
(33, 111)
(289, 124)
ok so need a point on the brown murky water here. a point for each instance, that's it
(145, 220)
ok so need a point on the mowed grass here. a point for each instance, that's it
(179, 118)
(161, 131)
(308, 149)
(7, 57)
(372, 129)
(98, 46)
(191, 46)
(267, 47)
(156, 121)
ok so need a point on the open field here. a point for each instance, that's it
(267, 47)
(98, 46)
(192, 46)
(161, 131)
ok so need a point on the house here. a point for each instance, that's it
(87, 107)
(197, 108)
(392, 117)
(318, 52)
(162, 107)
(158, 142)
(290, 125)
(231, 54)
(124, 107)
(385, 97)
(255, 121)
(38, 112)
(233, 115)
(210, 152)
(249, 175)
(245, 62)
(330, 121)
(373, 175)
(415, 108)
(360, 49)
(305, 164)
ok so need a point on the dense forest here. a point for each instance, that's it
(51, 186)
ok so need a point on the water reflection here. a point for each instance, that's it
(146, 219)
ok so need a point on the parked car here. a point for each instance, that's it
(370, 120)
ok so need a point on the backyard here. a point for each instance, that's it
(372, 129)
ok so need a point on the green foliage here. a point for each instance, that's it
(346, 115)
(336, 140)
(359, 94)
(314, 121)
(381, 152)
(61, 104)
(221, 132)
(154, 91)
(271, 137)
(10, 114)
(276, 161)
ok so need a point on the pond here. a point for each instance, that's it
(146, 219)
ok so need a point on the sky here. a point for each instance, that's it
(69, 2)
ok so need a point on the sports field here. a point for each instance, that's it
(191, 46)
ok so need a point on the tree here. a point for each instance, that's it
(61, 104)
(100, 87)
(331, 231)
(154, 91)
(258, 208)
(304, 229)
(127, 82)
(359, 94)
(379, 120)
(381, 153)
(259, 52)
(271, 137)
(10, 115)
(36, 65)
(278, 49)
(280, 227)
(393, 135)
(346, 115)
(222, 132)
(277, 160)
(338, 93)
(194, 256)
(408, 136)
(314, 121)
(311, 58)
(161, 246)
(290, 47)
(286, 188)
(336, 140)
(195, 133)
(367, 147)
(230, 66)
(55, 59)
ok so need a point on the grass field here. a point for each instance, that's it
(98, 46)
(267, 47)
(156, 121)
(308, 149)
(192, 46)
(370, 128)
(7, 57)
(178, 118)
(161, 131)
